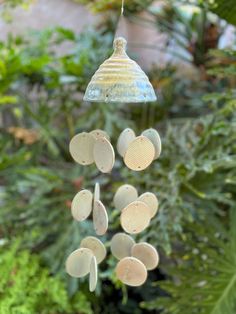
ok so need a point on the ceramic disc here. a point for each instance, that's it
(125, 138)
(78, 262)
(151, 200)
(125, 195)
(100, 133)
(121, 245)
(96, 246)
(104, 155)
(131, 271)
(93, 276)
(96, 196)
(100, 218)
(135, 217)
(147, 254)
(81, 206)
(154, 137)
(81, 148)
(139, 154)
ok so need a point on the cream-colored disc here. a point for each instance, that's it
(93, 276)
(104, 155)
(125, 195)
(121, 245)
(131, 271)
(81, 148)
(96, 246)
(135, 217)
(78, 262)
(125, 138)
(81, 206)
(100, 133)
(151, 200)
(154, 137)
(96, 196)
(100, 218)
(140, 154)
(147, 254)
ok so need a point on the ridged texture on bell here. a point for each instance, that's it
(120, 79)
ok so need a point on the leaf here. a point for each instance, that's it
(6, 100)
(225, 9)
(204, 275)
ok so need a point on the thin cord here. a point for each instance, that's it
(122, 7)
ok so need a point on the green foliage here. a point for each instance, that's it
(202, 267)
(8, 5)
(202, 271)
(131, 6)
(225, 9)
(27, 288)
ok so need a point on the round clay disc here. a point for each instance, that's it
(125, 195)
(140, 154)
(81, 206)
(96, 196)
(131, 271)
(104, 155)
(100, 133)
(100, 218)
(135, 217)
(81, 148)
(125, 138)
(151, 200)
(121, 245)
(93, 276)
(154, 137)
(78, 262)
(96, 246)
(147, 254)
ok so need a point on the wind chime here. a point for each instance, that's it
(119, 79)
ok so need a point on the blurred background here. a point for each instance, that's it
(48, 52)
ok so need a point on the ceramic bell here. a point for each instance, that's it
(120, 79)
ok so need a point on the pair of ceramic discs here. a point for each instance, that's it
(136, 211)
(139, 152)
(86, 202)
(85, 260)
(135, 259)
(94, 147)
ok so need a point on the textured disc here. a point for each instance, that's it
(139, 154)
(147, 254)
(96, 246)
(81, 148)
(154, 137)
(121, 245)
(100, 133)
(131, 271)
(135, 217)
(100, 218)
(125, 195)
(81, 206)
(125, 138)
(78, 262)
(104, 155)
(151, 200)
(93, 276)
(96, 196)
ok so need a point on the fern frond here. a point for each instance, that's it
(203, 278)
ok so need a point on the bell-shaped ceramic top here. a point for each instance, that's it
(120, 79)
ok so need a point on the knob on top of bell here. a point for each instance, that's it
(120, 79)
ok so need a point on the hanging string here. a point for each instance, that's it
(120, 29)
(122, 7)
